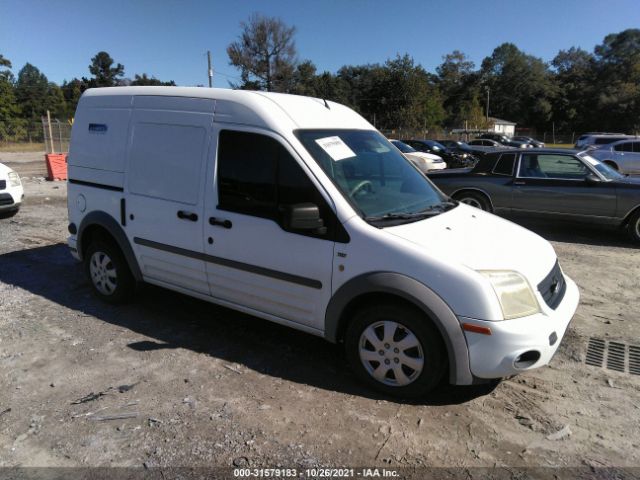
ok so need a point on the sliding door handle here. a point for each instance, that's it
(182, 215)
(220, 222)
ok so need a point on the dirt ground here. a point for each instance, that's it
(205, 386)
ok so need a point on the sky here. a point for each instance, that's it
(169, 38)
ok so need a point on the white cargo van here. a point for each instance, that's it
(298, 211)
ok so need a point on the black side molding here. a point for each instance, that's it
(267, 272)
(123, 212)
(96, 185)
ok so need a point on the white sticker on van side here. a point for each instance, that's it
(335, 147)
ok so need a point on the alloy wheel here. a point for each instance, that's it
(391, 353)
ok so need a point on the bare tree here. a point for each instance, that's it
(265, 53)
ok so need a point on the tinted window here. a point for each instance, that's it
(636, 147)
(403, 147)
(257, 176)
(624, 147)
(247, 173)
(552, 166)
(605, 140)
(505, 164)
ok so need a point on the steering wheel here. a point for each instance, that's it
(363, 185)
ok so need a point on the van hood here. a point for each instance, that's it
(481, 241)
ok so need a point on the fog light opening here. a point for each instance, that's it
(526, 359)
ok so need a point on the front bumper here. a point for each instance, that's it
(537, 337)
(11, 199)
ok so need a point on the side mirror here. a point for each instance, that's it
(592, 178)
(304, 217)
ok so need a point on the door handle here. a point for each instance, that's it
(519, 183)
(182, 215)
(220, 223)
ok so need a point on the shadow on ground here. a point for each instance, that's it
(579, 233)
(172, 320)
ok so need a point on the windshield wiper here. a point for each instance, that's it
(430, 211)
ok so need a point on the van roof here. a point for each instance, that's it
(265, 109)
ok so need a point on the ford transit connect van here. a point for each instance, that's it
(298, 211)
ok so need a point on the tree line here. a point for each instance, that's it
(26, 98)
(576, 91)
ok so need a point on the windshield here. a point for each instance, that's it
(403, 147)
(380, 183)
(605, 170)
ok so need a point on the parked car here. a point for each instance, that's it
(504, 140)
(298, 211)
(11, 192)
(424, 161)
(485, 142)
(546, 183)
(531, 141)
(623, 155)
(476, 151)
(453, 159)
(594, 140)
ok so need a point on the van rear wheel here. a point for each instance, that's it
(108, 272)
(395, 350)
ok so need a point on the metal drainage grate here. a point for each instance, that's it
(595, 352)
(613, 356)
(634, 360)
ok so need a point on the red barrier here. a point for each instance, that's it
(56, 166)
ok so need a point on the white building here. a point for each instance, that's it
(503, 126)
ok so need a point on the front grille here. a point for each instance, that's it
(553, 287)
(3, 184)
(6, 199)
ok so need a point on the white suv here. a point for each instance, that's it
(11, 192)
(298, 211)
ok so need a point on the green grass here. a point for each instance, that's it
(21, 147)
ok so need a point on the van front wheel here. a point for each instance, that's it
(395, 350)
(108, 272)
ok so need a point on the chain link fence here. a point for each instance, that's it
(52, 138)
(56, 135)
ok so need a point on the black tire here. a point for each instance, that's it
(474, 199)
(633, 228)
(9, 213)
(611, 164)
(113, 281)
(408, 320)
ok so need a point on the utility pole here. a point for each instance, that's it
(210, 70)
(487, 104)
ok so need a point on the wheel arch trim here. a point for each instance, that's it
(418, 294)
(111, 225)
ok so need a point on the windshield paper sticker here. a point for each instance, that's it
(335, 147)
(591, 160)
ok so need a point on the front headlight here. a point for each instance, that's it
(514, 293)
(14, 179)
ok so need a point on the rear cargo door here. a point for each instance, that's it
(169, 142)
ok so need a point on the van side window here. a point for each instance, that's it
(257, 176)
(247, 173)
(165, 161)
